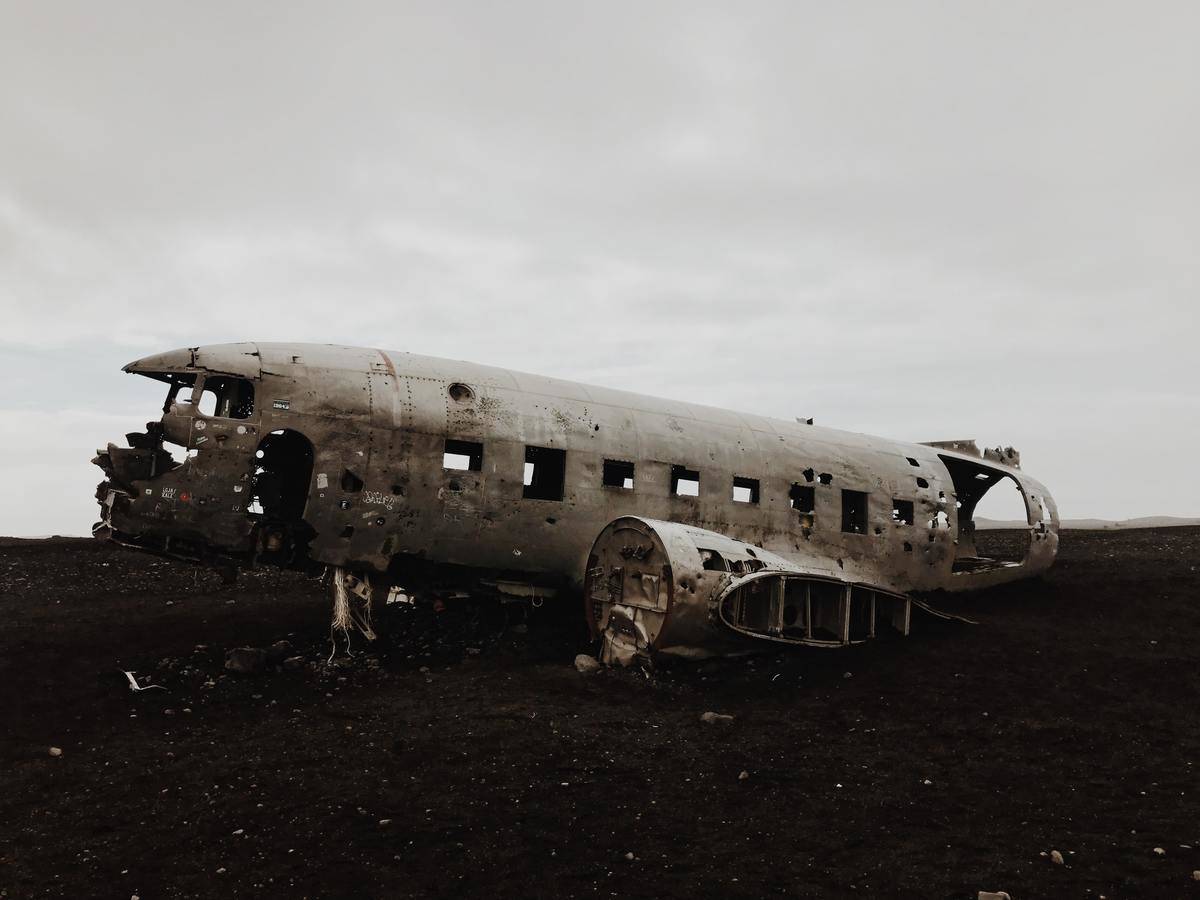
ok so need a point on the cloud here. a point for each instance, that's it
(923, 221)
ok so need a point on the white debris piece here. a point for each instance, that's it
(715, 718)
(134, 686)
(1056, 857)
(586, 664)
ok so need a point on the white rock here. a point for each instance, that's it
(56, 751)
(993, 895)
(629, 856)
(385, 821)
(1196, 875)
(1159, 851)
(1056, 857)
(585, 663)
(715, 718)
(744, 775)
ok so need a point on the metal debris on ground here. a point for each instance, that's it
(134, 686)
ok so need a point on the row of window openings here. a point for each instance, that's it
(545, 471)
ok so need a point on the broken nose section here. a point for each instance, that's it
(142, 460)
(151, 501)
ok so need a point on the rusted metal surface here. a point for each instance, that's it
(439, 475)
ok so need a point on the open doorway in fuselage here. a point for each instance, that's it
(993, 517)
(283, 467)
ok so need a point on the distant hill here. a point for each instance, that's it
(1097, 524)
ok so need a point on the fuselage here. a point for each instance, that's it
(389, 461)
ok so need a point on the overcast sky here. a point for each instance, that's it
(920, 220)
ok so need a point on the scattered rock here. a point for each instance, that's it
(629, 856)
(246, 660)
(56, 752)
(1196, 875)
(847, 674)
(743, 775)
(293, 663)
(993, 895)
(585, 663)
(1056, 857)
(278, 652)
(385, 821)
(716, 718)
(1159, 851)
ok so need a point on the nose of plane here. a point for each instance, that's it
(231, 359)
(171, 361)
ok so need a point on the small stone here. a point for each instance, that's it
(847, 674)
(993, 895)
(56, 752)
(246, 660)
(586, 664)
(240, 831)
(743, 775)
(1196, 875)
(385, 821)
(278, 652)
(629, 856)
(293, 663)
(1056, 857)
(1159, 851)
(221, 871)
(716, 718)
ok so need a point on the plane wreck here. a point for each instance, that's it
(685, 529)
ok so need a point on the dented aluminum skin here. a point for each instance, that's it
(322, 455)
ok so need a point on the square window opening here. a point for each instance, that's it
(854, 512)
(902, 511)
(464, 456)
(618, 474)
(545, 473)
(225, 397)
(745, 490)
(685, 482)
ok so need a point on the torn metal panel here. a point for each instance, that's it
(656, 586)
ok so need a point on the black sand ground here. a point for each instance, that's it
(929, 767)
